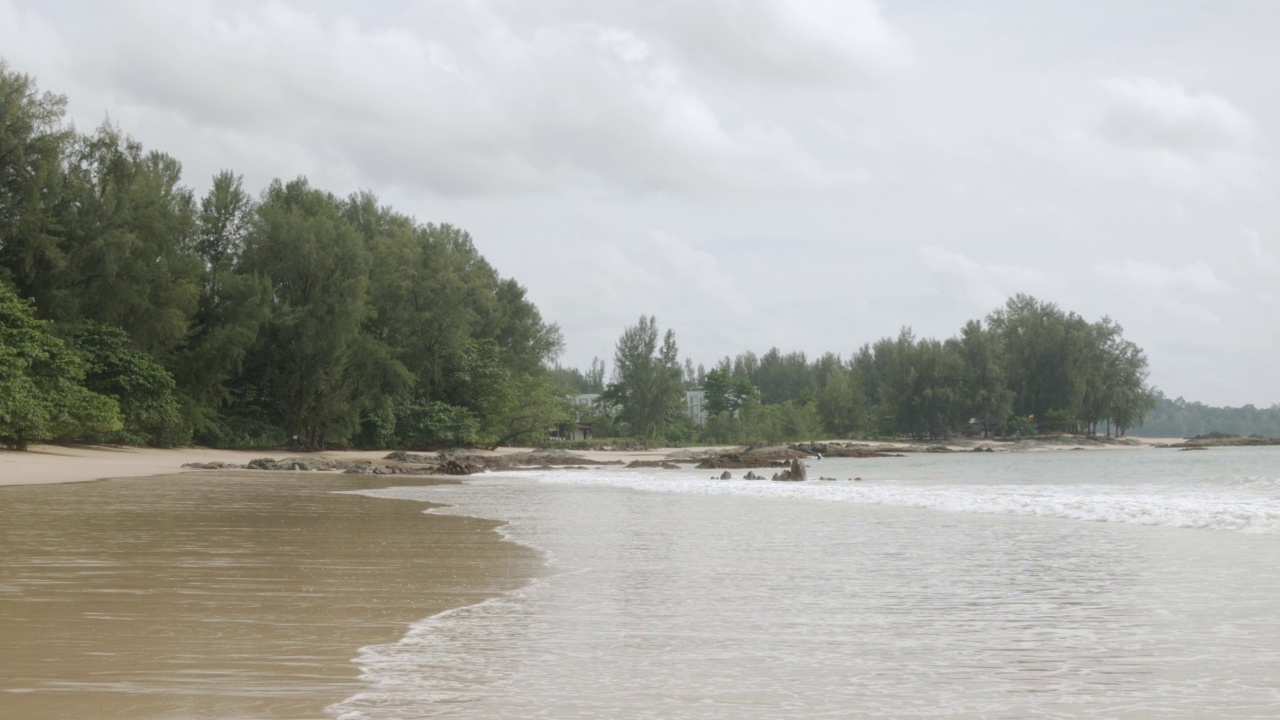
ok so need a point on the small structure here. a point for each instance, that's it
(570, 431)
(694, 400)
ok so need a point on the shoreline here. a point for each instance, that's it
(57, 464)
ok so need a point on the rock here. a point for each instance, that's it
(653, 464)
(726, 475)
(795, 473)
(293, 464)
(538, 458)
(408, 457)
(460, 467)
(752, 476)
(216, 465)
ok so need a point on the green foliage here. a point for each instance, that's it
(725, 393)
(1020, 426)
(438, 424)
(143, 389)
(647, 386)
(841, 405)
(1181, 418)
(41, 392)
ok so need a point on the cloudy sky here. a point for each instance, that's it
(811, 174)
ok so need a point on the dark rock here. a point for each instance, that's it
(216, 465)
(408, 457)
(795, 473)
(726, 475)
(653, 464)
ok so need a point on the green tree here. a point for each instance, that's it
(724, 392)
(841, 405)
(127, 235)
(232, 308)
(986, 396)
(41, 392)
(317, 267)
(34, 141)
(647, 385)
(143, 389)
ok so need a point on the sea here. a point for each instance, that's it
(1092, 584)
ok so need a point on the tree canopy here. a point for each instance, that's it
(294, 316)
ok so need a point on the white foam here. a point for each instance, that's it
(1242, 506)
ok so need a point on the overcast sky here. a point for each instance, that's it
(811, 174)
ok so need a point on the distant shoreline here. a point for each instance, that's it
(52, 464)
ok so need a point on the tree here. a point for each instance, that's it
(725, 393)
(41, 392)
(318, 269)
(647, 384)
(986, 396)
(842, 407)
(34, 141)
(127, 237)
(232, 308)
(143, 389)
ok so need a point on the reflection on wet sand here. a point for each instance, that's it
(221, 595)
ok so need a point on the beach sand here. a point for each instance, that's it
(227, 594)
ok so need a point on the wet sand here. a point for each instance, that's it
(222, 595)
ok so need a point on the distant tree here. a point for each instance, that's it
(841, 405)
(985, 395)
(647, 385)
(725, 393)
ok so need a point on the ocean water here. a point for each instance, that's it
(1126, 584)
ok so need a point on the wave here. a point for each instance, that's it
(1242, 506)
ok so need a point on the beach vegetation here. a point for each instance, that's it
(42, 391)
(289, 317)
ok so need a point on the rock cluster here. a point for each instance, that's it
(794, 473)
(405, 463)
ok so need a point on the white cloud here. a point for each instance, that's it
(453, 100)
(1195, 277)
(807, 41)
(1163, 135)
(1149, 113)
(981, 285)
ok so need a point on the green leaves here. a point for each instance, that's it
(41, 395)
(648, 379)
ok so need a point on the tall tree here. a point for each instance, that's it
(986, 396)
(34, 141)
(318, 270)
(647, 385)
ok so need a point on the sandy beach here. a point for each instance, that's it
(46, 464)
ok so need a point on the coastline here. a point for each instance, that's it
(54, 464)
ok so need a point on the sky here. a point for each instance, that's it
(807, 174)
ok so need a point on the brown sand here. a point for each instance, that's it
(221, 595)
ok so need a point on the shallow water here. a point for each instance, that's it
(1104, 584)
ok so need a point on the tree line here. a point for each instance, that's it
(1182, 418)
(1028, 367)
(133, 311)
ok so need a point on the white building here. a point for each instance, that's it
(694, 399)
